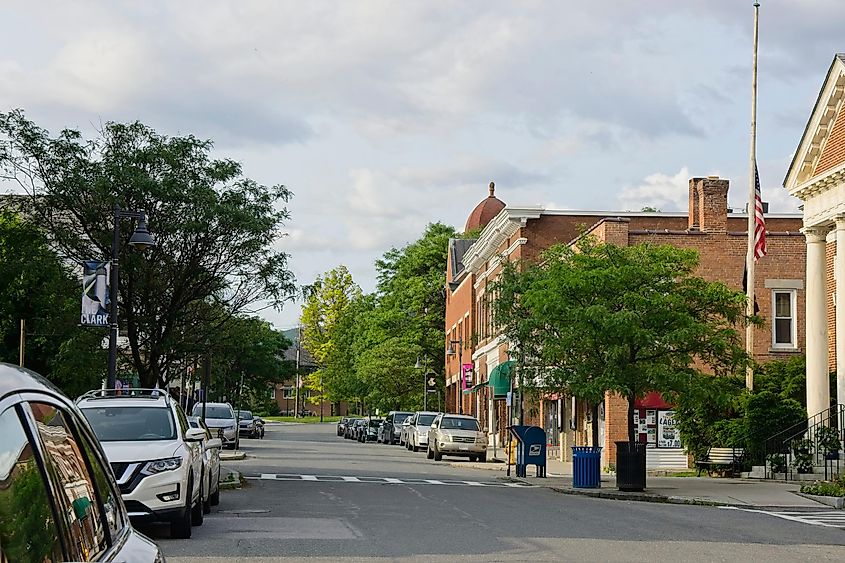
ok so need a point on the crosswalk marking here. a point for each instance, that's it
(383, 480)
(825, 518)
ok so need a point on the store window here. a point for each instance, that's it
(656, 428)
(784, 319)
(76, 497)
(27, 529)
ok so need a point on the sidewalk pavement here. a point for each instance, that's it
(745, 493)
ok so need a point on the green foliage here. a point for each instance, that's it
(217, 231)
(834, 488)
(26, 525)
(777, 463)
(766, 414)
(827, 439)
(630, 320)
(802, 456)
(37, 286)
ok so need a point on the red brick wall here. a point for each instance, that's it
(833, 153)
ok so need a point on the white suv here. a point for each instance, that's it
(156, 457)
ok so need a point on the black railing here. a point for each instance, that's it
(812, 443)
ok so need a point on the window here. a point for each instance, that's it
(288, 392)
(76, 497)
(27, 529)
(125, 424)
(273, 392)
(783, 319)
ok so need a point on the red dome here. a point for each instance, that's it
(484, 212)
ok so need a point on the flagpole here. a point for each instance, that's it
(752, 206)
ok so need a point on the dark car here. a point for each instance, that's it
(341, 425)
(392, 427)
(55, 482)
(369, 430)
(357, 428)
(349, 431)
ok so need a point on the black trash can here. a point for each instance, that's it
(630, 466)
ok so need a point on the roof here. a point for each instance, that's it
(801, 152)
(15, 379)
(457, 248)
(484, 212)
(305, 359)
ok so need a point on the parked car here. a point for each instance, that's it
(369, 430)
(403, 433)
(248, 425)
(456, 435)
(341, 425)
(51, 464)
(418, 430)
(358, 428)
(349, 431)
(392, 427)
(155, 455)
(220, 418)
(211, 463)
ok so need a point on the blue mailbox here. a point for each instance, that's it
(530, 449)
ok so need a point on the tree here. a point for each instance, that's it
(327, 300)
(629, 320)
(217, 231)
(37, 287)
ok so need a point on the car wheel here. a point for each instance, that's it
(429, 454)
(472, 459)
(483, 458)
(197, 513)
(437, 455)
(415, 448)
(214, 498)
(181, 527)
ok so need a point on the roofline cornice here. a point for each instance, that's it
(503, 225)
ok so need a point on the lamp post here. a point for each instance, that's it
(460, 353)
(140, 240)
(419, 366)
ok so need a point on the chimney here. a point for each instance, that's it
(708, 204)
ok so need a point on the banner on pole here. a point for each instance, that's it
(95, 294)
(466, 376)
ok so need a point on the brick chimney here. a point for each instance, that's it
(708, 204)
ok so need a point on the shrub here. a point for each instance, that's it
(802, 456)
(827, 439)
(777, 463)
(825, 488)
(766, 414)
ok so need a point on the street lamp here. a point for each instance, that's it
(460, 353)
(140, 240)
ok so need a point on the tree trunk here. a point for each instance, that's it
(594, 413)
(631, 429)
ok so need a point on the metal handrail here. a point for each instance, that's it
(790, 447)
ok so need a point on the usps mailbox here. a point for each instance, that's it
(530, 449)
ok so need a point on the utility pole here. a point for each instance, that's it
(23, 343)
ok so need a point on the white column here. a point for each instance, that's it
(839, 275)
(818, 379)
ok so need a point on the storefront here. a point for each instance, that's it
(654, 423)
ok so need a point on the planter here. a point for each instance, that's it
(835, 502)
(630, 466)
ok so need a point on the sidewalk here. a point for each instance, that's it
(680, 490)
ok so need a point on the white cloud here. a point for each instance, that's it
(665, 192)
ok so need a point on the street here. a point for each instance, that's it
(313, 495)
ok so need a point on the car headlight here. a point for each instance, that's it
(447, 437)
(161, 465)
(231, 427)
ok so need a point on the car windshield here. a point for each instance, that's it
(213, 411)
(130, 424)
(425, 419)
(401, 417)
(375, 423)
(245, 415)
(450, 423)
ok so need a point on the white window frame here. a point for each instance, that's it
(793, 306)
(288, 392)
(273, 392)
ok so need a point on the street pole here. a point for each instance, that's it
(296, 378)
(113, 282)
(238, 416)
(461, 372)
(322, 399)
(206, 380)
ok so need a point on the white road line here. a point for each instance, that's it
(380, 480)
(308, 477)
(393, 480)
(434, 482)
(351, 479)
(826, 519)
(268, 476)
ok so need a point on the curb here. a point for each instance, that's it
(834, 502)
(233, 456)
(642, 497)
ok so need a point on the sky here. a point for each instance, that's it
(384, 116)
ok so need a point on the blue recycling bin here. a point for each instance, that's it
(586, 467)
(530, 449)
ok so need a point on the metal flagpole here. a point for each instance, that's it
(752, 206)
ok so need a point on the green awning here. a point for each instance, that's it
(476, 387)
(500, 379)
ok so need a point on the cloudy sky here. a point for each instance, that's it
(382, 116)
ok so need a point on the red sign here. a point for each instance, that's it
(466, 376)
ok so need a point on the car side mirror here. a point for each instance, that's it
(214, 443)
(195, 435)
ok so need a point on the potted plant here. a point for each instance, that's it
(777, 462)
(802, 457)
(827, 439)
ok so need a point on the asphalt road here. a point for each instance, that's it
(312, 495)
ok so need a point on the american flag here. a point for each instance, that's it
(759, 219)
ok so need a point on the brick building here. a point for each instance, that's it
(817, 177)
(522, 233)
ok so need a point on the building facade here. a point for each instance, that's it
(817, 177)
(522, 233)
